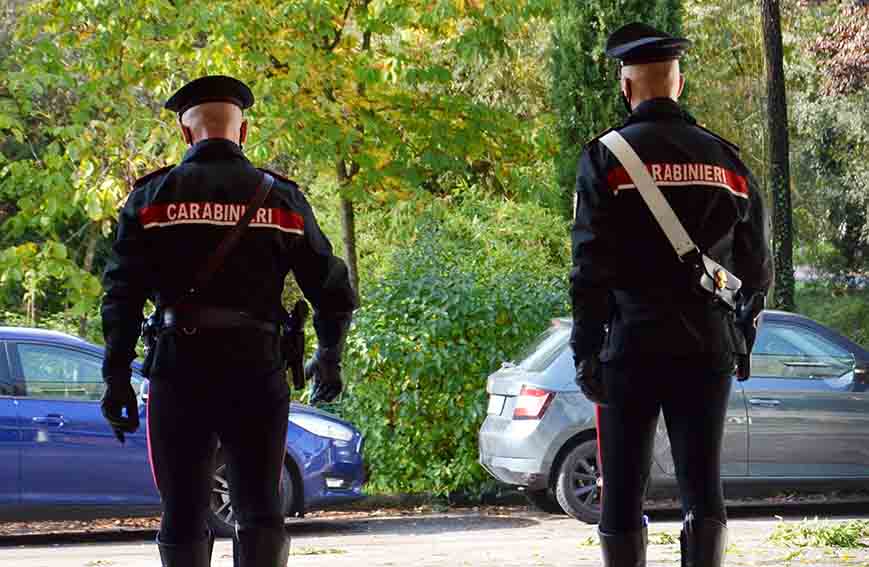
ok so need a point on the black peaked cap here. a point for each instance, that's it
(637, 43)
(211, 88)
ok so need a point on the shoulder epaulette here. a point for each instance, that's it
(601, 135)
(147, 177)
(719, 138)
(279, 176)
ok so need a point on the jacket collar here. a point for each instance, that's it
(659, 109)
(212, 149)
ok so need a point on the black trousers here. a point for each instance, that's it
(190, 410)
(693, 395)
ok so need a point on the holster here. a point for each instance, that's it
(293, 342)
(151, 328)
(747, 311)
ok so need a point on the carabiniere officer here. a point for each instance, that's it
(217, 373)
(668, 347)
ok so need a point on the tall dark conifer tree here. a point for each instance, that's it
(779, 161)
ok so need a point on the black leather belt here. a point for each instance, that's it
(199, 317)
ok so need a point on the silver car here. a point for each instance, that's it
(803, 417)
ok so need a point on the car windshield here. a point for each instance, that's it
(543, 351)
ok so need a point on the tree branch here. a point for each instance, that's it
(339, 33)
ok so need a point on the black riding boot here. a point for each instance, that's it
(624, 550)
(703, 542)
(196, 554)
(261, 547)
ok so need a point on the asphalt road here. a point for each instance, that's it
(500, 538)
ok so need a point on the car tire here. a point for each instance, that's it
(220, 514)
(577, 487)
(544, 500)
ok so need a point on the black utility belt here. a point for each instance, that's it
(200, 317)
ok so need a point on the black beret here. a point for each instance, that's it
(212, 88)
(637, 43)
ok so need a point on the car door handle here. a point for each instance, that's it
(765, 402)
(50, 419)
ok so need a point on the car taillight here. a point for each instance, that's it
(532, 403)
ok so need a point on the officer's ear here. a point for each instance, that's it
(242, 134)
(185, 132)
(627, 88)
(681, 85)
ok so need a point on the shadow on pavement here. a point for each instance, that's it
(398, 525)
(401, 525)
(66, 538)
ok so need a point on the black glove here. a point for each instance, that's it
(590, 380)
(324, 371)
(119, 395)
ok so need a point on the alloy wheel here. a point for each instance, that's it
(578, 482)
(220, 502)
(587, 481)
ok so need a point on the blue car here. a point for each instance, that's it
(60, 459)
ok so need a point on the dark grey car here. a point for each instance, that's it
(803, 417)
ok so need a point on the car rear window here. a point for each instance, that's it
(543, 351)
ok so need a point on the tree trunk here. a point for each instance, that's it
(348, 227)
(30, 308)
(348, 224)
(345, 175)
(779, 164)
(93, 237)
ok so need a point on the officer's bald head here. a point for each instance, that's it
(213, 120)
(645, 81)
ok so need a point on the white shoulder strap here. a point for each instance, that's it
(651, 194)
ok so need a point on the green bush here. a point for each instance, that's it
(846, 311)
(471, 287)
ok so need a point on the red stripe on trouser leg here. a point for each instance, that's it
(148, 437)
(282, 472)
(599, 451)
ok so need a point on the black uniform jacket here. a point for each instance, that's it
(176, 217)
(625, 271)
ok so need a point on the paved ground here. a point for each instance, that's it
(500, 539)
